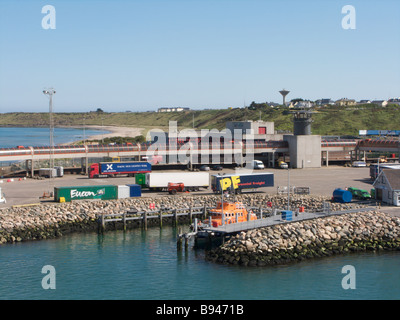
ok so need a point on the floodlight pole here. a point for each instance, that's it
(50, 92)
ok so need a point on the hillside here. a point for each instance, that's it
(326, 121)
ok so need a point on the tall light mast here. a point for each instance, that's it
(50, 92)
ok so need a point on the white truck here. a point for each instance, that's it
(255, 164)
(192, 181)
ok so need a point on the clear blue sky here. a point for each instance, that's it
(143, 54)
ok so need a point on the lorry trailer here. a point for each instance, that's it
(113, 169)
(67, 194)
(192, 181)
(238, 182)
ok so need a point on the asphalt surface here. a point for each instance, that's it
(321, 181)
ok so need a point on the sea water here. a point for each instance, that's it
(146, 265)
(11, 137)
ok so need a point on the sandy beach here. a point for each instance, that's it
(113, 132)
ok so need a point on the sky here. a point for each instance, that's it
(140, 55)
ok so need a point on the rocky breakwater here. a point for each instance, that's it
(55, 219)
(319, 237)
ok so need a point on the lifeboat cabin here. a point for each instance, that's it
(230, 213)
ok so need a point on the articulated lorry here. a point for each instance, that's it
(192, 181)
(113, 169)
(238, 182)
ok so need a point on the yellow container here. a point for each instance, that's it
(62, 199)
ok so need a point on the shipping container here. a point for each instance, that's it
(123, 192)
(135, 190)
(140, 179)
(237, 182)
(103, 192)
(60, 171)
(48, 172)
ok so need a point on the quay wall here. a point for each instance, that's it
(52, 220)
(297, 241)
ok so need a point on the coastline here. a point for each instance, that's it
(113, 131)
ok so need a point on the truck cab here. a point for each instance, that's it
(94, 171)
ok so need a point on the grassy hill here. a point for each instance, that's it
(326, 121)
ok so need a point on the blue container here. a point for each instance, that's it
(342, 196)
(134, 190)
(286, 215)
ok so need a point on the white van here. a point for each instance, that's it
(257, 164)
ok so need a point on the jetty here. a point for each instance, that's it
(272, 218)
(143, 216)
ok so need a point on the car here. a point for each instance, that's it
(359, 164)
(363, 194)
(283, 165)
(217, 167)
(204, 168)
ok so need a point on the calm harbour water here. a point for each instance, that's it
(145, 265)
(12, 137)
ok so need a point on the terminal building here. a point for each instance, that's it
(304, 149)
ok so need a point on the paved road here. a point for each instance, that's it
(322, 181)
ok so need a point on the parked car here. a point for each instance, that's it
(283, 165)
(359, 193)
(359, 164)
(204, 168)
(217, 167)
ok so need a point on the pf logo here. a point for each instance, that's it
(109, 167)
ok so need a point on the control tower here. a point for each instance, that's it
(302, 122)
(304, 147)
(284, 93)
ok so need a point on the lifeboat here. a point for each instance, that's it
(229, 213)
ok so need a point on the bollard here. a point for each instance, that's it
(160, 214)
(124, 220)
(144, 222)
(186, 242)
(103, 225)
(175, 222)
(179, 243)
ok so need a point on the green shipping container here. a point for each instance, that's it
(106, 192)
(140, 179)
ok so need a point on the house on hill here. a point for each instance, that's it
(344, 102)
(387, 187)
